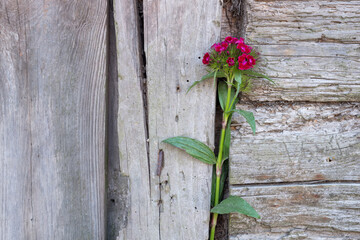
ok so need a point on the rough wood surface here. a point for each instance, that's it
(52, 119)
(300, 171)
(175, 41)
(138, 216)
(296, 142)
(311, 48)
(315, 211)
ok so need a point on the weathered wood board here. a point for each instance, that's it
(139, 216)
(316, 211)
(52, 119)
(296, 142)
(300, 171)
(310, 48)
(175, 41)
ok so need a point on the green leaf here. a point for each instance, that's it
(220, 74)
(209, 75)
(226, 147)
(222, 93)
(255, 74)
(214, 74)
(215, 77)
(237, 74)
(249, 116)
(194, 148)
(235, 204)
(224, 174)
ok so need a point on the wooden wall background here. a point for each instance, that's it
(301, 169)
(89, 89)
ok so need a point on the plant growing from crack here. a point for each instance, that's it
(230, 61)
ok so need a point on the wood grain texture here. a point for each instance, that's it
(52, 119)
(175, 41)
(296, 142)
(300, 171)
(140, 216)
(310, 48)
(299, 212)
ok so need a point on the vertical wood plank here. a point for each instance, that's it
(52, 127)
(177, 33)
(140, 214)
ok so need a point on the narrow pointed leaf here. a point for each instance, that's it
(249, 117)
(255, 74)
(227, 140)
(194, 148)
(222, 93)
(220, 74)
(215, 77)
(224, 175)
(209, 75)
(234, 101)
(213, 74)
(237, 74)
(235, 204)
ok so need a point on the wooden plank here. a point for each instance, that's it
(175, 41)
(310, 48)
(52, 127)
(316, 211)
(296, 142)
(140, 214)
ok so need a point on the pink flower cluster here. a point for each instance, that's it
(244, 58)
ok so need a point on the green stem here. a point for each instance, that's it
(219, 161)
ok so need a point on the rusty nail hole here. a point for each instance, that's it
(177, 88)
(176, 118)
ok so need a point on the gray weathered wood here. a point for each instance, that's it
(311, 48)
(175, 41)
(52, 119)
(139, 218)
(296, 142)
(315, 211)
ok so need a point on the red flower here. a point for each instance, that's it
(218, 48)
(224, 45)
(234, 40)
(229, 39)
(244, 48)
(246, 62)
(230, 61)
(206, 58)
(240, 40)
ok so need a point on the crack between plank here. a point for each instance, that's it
(143, 77)
(299, 183)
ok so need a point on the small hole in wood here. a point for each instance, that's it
(176, 118)
(112, 200)
(199, 57)
(177, 88)
(187, 80)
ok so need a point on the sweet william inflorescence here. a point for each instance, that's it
(229, 54)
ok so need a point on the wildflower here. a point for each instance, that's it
(206, 58)
(244, 48)
(246, 62)
(230, 61)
